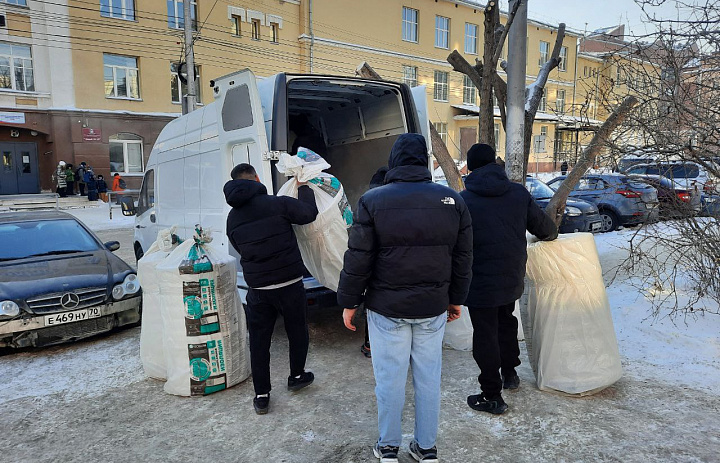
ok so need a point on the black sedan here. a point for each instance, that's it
(579, 216)
(59, 282)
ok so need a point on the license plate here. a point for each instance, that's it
(74, 316)
(595, 226)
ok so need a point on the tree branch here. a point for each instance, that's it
(460, 64)
(508, 24)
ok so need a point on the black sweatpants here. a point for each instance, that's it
(263, 307)
(495, 345)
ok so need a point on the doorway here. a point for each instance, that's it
(19, 168)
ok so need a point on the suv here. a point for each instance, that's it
(620, 199)
(687, 175)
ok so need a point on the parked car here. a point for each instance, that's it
(579, 216)
(674, 200)
(620, 199)
(710, 206)
(687, 175)
(59, 282)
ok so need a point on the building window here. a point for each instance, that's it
(560, 101)
(178, 88)
(542, 107)
(410, 75)
(497, 137)
(409, 24)
(585, 71)
(119, 9)
(540, 140)
(544, 52)
(563, 59)
(121, 77)
(618, 76)
(255, 29)
(235, 24)
(441, 128)
(275, 28)
(469, 92)
(176, 15)
(442, 32)
(15, 2)
(126, 153)
(16, 67)
(471, 33)
(441, 86)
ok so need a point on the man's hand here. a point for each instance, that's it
(348, 315)
(453, 312)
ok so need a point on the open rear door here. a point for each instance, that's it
(241, 128)
(420, 98)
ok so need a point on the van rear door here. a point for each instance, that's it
(420, 98)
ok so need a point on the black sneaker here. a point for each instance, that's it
(423, 455)
(261, 404)
(304, 380)
(511, 382)
(365, 349)
(386, 454)
(479, 402)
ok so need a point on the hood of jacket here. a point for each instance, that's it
(489, 180)
(408, 160)
(239, 192)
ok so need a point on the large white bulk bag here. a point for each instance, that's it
(568, 326)
(323, 242)
(206, 344)
(152, 351)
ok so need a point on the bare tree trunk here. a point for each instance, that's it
(556, 207)
(440, 151)
(486, 123)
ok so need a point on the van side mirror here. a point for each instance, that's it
(112, 246)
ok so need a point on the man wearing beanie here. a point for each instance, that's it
(408, 259)
(501, 211)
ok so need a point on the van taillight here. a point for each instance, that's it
(683, 196)
(628, 193)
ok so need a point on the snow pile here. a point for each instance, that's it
(98, 218)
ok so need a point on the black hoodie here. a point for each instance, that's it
(259, 227)
(501, 213)
(410, 247)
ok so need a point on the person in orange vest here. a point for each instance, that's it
(118, 183)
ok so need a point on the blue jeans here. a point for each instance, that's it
(397, 343)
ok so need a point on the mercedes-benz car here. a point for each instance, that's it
(59, 282)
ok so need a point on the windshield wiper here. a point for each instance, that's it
(55, 253)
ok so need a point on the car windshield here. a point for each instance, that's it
(538, 189)
(43, 238)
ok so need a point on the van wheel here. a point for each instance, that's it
(610, 221)
(138, 251)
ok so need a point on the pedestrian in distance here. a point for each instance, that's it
(502, 211)
(91, 183)
(60, 179)
(259, 227)
(69, 180)
(412, 278)
(564, 167)
(80, 177)
(118, 183)
(102, 188)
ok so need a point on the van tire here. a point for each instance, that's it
(139, 253)
(610, 221)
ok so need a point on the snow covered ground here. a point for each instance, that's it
(98, 218)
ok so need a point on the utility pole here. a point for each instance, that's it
(517, 52)
(190, 98)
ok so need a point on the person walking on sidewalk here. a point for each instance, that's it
(80, 178)
(259, 227)
(60, 179)
(412, 278)
(502, 211)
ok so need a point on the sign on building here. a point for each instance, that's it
(7, 117)
(89, 134)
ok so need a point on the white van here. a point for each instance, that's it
(253, 121)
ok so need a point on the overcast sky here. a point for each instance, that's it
(596, 13)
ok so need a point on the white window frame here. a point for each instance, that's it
(441, 88)
(469, 91)
(126, 164)
(255, 29)
(471, 38)
(542, 107)
(544, 52)
(236, 22)
(442, 32)
(410, 19)
(15, 2)
(560, 102)
(441, 128)
(410, 75)
(274, 32)
(563, 58)
(174, 78)
(127, 14)
(174, 20)
(26, 64)
(127, 69)
(497, 137)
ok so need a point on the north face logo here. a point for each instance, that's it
(448, 200)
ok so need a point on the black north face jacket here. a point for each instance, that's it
(410, 248)
(259, 227)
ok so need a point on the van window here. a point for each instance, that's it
(237, 110)
(147, 192)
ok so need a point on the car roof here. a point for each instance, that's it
(29, 216)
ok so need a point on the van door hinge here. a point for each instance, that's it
(272, 155)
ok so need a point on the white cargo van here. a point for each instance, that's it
(253, 121)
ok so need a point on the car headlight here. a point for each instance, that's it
(130, 285)
(573, 211)
(9, 308)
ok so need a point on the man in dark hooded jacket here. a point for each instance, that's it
(408, 259)
(501, 211)
(259, 227)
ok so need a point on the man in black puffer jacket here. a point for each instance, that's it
(502, 211)
(259, 227)
(409, 257)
